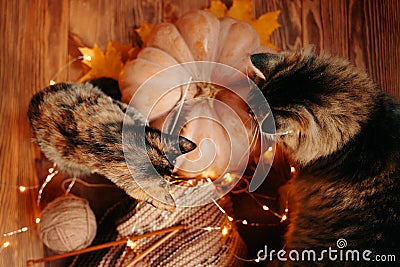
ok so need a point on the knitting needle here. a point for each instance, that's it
(173, 229)
(151, 248)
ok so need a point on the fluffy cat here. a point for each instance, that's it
(79, 127)
(345, 139)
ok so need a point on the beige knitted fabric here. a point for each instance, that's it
(196, 245)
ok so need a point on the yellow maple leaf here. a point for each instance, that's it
(108, 64)
(127, 51)
(144, 30)
(217, 8)
(265, 25)
(241, 10)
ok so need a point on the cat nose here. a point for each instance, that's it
(268, 125)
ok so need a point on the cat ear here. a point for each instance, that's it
(108, 86)
(176, 146)
(261, 63)
(185, 145)
(171, 145)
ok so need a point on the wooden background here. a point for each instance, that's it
(39, 37)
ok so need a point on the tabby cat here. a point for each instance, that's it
(79, 127)
(344, 136)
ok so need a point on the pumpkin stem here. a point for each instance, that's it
(207, 90)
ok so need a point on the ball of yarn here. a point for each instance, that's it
(67, 224)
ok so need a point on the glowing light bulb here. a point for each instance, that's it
(37, 220)
(6, 244)
(292, 169)
(22, 188)
(228, 177)
(284, 217)
(230, 218)
(52, 82)
(268, 156)
(265, 208)
(130, 244)
(286, 210)
(245, 222)
(224, 231)
(88, 58)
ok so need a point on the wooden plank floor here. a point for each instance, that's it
(39, 37)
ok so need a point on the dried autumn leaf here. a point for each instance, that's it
(241, 10)
(265, 25)
(144, 30)
(108, 64)
(218, 8)
(127, 51)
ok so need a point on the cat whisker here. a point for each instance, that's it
(273, 136)
(180, 105)
(247, 76)
(284, 133)
(251, 145)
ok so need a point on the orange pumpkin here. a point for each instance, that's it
(206, 94)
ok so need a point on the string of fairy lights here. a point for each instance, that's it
(53, 172)
(53, 81)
